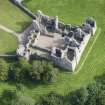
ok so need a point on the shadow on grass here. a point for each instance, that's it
(26, 1)
(28, 84)
(10, 59)
(62, 70)
(11, 53)
(24, 25)
(101, 78)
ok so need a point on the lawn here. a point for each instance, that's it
(12, 17)
(8, 43)
(73, 12)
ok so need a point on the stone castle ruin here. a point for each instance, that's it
(51, 39)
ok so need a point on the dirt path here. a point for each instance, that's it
(8, 30)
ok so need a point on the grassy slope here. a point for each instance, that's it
(8, 43)
(12, 17)
(74, 12)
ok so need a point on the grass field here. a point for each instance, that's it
(74, 12)
(8, 43)
(12, 17)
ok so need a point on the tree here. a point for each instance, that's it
(96, 94)
(78, 97)
(3, 70)
(51, 99)
(7, 97)
(18, 71)
(43, 71)
(23, 100)
(15, 98)
(50, 73)
(36, 71)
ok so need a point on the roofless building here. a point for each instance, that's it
(51, 39)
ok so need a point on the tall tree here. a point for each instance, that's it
(3, 70)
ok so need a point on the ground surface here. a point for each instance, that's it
(8, 43)
(74, 12)
(12, 17)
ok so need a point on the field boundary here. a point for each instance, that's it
(89, 51)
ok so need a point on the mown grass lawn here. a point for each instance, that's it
(8, 43)
(12, 17)
(74, 12)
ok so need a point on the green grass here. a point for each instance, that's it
(12, 17)
(8, 43)
(74, 12)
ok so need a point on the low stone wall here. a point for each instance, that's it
(8, 56)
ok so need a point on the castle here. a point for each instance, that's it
(51, 39)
